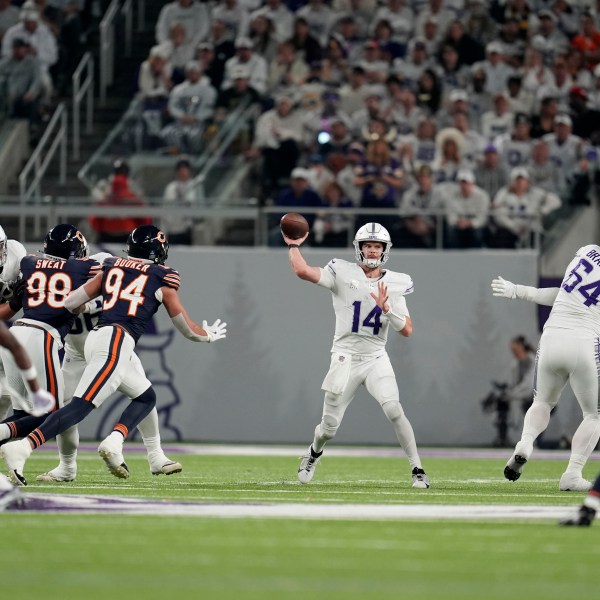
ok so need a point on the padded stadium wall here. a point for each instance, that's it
(262, 384)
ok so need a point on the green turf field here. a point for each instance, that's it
(131, 556)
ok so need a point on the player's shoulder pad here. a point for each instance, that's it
(402, 280)
(170, 277)
(585, 249)
(16, 249)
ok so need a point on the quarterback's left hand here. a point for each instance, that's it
(216, 331)
(382, 296)
(42, 401)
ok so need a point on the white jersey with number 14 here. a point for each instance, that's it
(360, 326)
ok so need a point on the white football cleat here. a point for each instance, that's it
(162, 465)
(420, 479)
(111, 452)
(573, 482)
(515, 464)
(59, 473)
(308, 465)
(15, 455)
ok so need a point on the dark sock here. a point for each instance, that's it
(315, 454)
(17, 414)
(138, 409)
(59, 421)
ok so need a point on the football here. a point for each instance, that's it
(293, 225)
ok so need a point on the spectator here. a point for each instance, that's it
(42, 44)
(429, 92)
(374, 64)
(549, 40)
(354, 93)
(181, 50)
(390, 48)
(535, 73)
(9, 16)
(491, 174)
(587, 40)
(458, 102)
(154, 78)
(346, 176)
(559, 85)
(496, 70)
(498, 121)
(480, 100)
(448, 157)
(518, 210)
(286, 70)
(542, 172)
(410, 68)
(21, 81)
(114, 230)
(277, 137)
(190, 105)
(318, 124)
(435, 9)
(333, 230)
(222, 50)
(255, 65)
(417, 208)
(233, 16)
(586, 121)
(264, 40)
(306, 45)
(191, 14)
(474, 142)
(339, 138)
(519, 99)
(467, 209)
(469, 50)
(399, 16)
(335, 63)
(515, 147)
(319, 17)
(418, 148)
(180, 192)
(543, 123)
(452, 74)
(319, 175)
(281, 17)
(205, 55)
(298, 194)
(566, 150)
(401, 110)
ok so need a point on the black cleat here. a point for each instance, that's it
(583, 518)
(512, 471)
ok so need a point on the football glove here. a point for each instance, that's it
(502, 288)
(42, 402)
(216, 331)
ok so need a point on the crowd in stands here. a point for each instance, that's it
(484, 112)
(42, 42)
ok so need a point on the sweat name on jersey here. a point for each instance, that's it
(131, 293)
(47, 284)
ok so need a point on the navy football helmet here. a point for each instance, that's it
(149, 242)
(65, 241)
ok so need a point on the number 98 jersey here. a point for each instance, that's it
(48, 281)
(360, 327)
(131, 292)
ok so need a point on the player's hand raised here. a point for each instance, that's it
(503, 288)
(216, 331)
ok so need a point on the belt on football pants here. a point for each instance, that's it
(21, 324)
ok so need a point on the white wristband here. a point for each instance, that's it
(396, 321)
(29, 374)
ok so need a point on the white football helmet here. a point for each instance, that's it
(3, 247)
(372, 232)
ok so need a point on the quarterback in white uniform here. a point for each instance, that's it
(569, 351)
(367, 301)
(73, 367)
(11, 253)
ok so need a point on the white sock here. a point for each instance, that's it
(68, 442)
(4, 432)
(536, 421)
(406, 437)
(592, 501)
(584, 441)
(150, 432)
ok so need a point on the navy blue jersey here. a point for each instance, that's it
(48, 281)
(129, 291)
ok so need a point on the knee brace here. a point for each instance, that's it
(393, 411)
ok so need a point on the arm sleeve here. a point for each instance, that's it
(76, 298)
(545, 296)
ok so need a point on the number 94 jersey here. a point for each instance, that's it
(360, 327)
(577, 303)
(131, 292)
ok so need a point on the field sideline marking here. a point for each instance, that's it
(66, 503)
